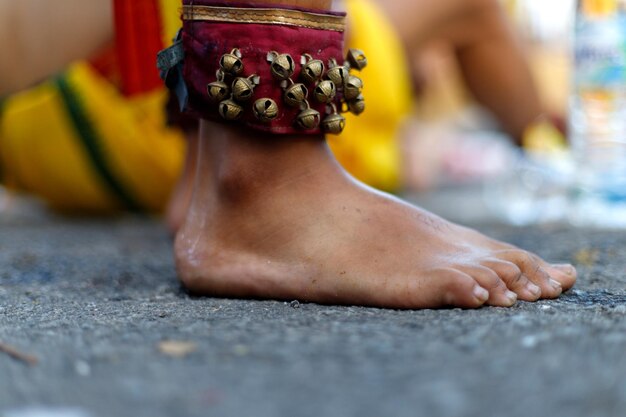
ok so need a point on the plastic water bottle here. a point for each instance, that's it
(598, 114)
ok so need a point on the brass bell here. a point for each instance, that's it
(352, 88)
(308, 118)
(334, 123)
(312, 69)
(325, 91)
(265, 109)
(218, 91)
(230, 110)
(295, 94)
(338, 74)
(231, 63)
(282, 65)
(243, 88)
(357, 106)
(357, 59)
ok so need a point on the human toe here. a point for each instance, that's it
(564, 274)
(514, 279)
(453, 288)
(499, 294)
(531, 266)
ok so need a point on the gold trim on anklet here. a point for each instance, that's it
(286, 17)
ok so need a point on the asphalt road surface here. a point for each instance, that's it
(97, 305)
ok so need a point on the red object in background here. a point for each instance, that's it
(105, 63)
(138, 35)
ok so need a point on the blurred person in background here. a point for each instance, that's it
(476, 34)
(96, 138)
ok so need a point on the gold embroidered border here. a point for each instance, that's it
(285, 17)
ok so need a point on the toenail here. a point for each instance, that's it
(533, 289)
(511, 296)
(556, 285)
(567, 268)
(481, 294)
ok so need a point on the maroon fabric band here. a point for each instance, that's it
(206, 41)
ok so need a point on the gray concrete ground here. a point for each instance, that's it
(94, 300)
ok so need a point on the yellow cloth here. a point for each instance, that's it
(368, 148)
(93, 151)
(80, 145)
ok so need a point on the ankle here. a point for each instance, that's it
(244, 165)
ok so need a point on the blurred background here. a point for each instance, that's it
(448, 152)
(476, 163)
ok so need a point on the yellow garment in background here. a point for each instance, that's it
(368, 147)
(76, 142)
(79, 144)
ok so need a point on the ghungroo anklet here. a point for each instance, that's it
(279, 70)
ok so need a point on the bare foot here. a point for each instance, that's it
(278, 218)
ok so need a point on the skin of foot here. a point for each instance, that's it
(277, 218)
(180, 198)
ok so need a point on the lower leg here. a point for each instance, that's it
(490, 56)
(496, 70)
(277, 217)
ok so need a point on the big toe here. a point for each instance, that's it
(448, 287)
